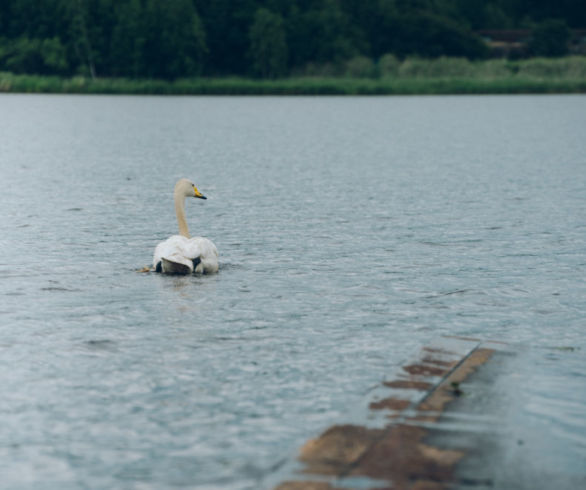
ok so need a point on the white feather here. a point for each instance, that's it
(184, 250)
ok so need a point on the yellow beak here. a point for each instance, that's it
(198, 194)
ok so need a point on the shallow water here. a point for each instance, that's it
(351, 231)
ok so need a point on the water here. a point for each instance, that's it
(351, 231)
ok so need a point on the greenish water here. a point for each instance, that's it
(351, 231)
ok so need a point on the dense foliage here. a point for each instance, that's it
(169, 39)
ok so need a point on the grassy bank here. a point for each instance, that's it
(410, 77)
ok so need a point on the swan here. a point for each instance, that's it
(181, 254)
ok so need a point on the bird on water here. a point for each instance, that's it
(182, 254)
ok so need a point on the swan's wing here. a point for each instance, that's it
(206, 251)
(184, 250)
(176, 264)
(171, 246)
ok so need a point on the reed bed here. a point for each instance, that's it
(389, 76)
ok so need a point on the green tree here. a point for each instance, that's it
(268, 45)
(430, 35)
(54, 56)
(472, 12)
(174, 38)
(128, 38)
(323, 33)
(101, 22)
(550, 38)
(38, 56)
(227, 24)
(175, 43)
(79, 20)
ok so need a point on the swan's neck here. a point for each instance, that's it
(180, 212)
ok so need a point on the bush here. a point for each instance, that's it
(438, 68)
(450, 68)
(493, 69)
(360, 67)
(388, 65)
(413, 68)
(570, 67)
(320, 70)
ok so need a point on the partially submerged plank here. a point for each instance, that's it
(396, 455)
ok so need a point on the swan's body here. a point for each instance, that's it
(181, 254)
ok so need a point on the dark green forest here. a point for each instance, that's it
(170, 39)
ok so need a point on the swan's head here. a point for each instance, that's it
(185, 187)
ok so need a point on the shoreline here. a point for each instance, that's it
(512, 84)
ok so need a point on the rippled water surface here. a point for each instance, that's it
(351, 231)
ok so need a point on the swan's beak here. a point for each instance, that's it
(198, 194)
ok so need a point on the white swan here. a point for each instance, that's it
(181, 254)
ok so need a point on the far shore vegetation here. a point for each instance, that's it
(292, 46)
(358, 76)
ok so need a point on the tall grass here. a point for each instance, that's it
(573, 67)
(437, 68)
(359, 76)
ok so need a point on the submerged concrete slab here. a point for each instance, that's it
(441, 429)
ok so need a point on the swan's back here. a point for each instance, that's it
(197, 254)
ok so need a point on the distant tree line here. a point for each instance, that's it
(265, 38)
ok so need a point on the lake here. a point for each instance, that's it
(351, 232)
